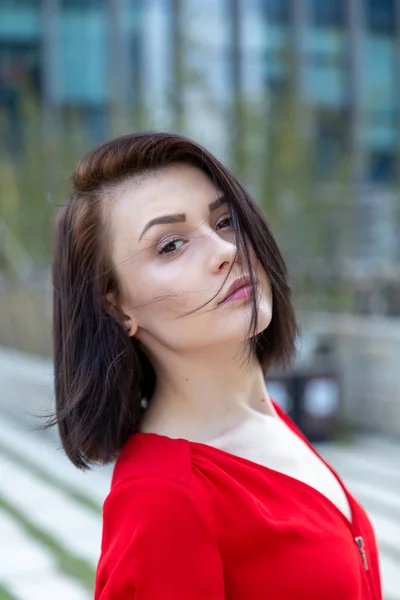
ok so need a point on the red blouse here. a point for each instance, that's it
(187, 521)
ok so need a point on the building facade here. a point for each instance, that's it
(178, 56)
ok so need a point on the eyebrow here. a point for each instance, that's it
(181, 217)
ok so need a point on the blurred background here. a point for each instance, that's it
(300, 98)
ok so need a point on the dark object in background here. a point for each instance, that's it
(310, 394)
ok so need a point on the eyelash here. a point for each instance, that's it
(161, 250)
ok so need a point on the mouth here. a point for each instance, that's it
(240, 289)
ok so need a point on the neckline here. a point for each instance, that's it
(281, 415)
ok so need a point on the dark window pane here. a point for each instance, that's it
(20, 4)
(382, 166)
(277, 11)
(327, 13)
(20, 66)
(331, 140)
(83, 5)
(20, 75)
(381, 16)
(325, 60)
(278, 86)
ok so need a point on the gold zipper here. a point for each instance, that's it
(360, 543)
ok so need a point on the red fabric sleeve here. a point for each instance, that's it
(157, 544)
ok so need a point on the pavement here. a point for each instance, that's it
(50, 512)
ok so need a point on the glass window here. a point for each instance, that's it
(89, 119)
(20, 75)
(20, 67)
(20, 4)
(382, 166)
(381, 16)
(327, 13)
(326, 60)
(278, 88)
(277, 11)
(325, 82)
(83, 5)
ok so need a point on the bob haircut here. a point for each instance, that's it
(101, 375)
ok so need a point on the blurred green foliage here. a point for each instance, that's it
(275, 158)
(5, 595)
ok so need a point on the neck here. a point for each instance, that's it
(201, 397)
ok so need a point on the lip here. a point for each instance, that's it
(240, 282)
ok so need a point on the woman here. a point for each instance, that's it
(171, 302)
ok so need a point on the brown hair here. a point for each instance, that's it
(101, 374)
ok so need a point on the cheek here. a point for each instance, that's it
(156, 299)
(174, 287)
(266, 290)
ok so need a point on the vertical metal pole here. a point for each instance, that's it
(356, 31)
(117, 13)
(397, 45)
(50, 59)
(266, 101)
(137, 58)
(397, 173)
(235, 60)
(298, 35)
(177, 46)
(299, 32)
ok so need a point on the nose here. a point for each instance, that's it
(222, 251)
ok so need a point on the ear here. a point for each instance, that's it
(129, 323)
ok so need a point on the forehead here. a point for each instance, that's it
(178, 188)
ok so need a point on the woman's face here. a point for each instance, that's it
(168, 269)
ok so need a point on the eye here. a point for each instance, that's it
(225, 219)
(166, 248)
